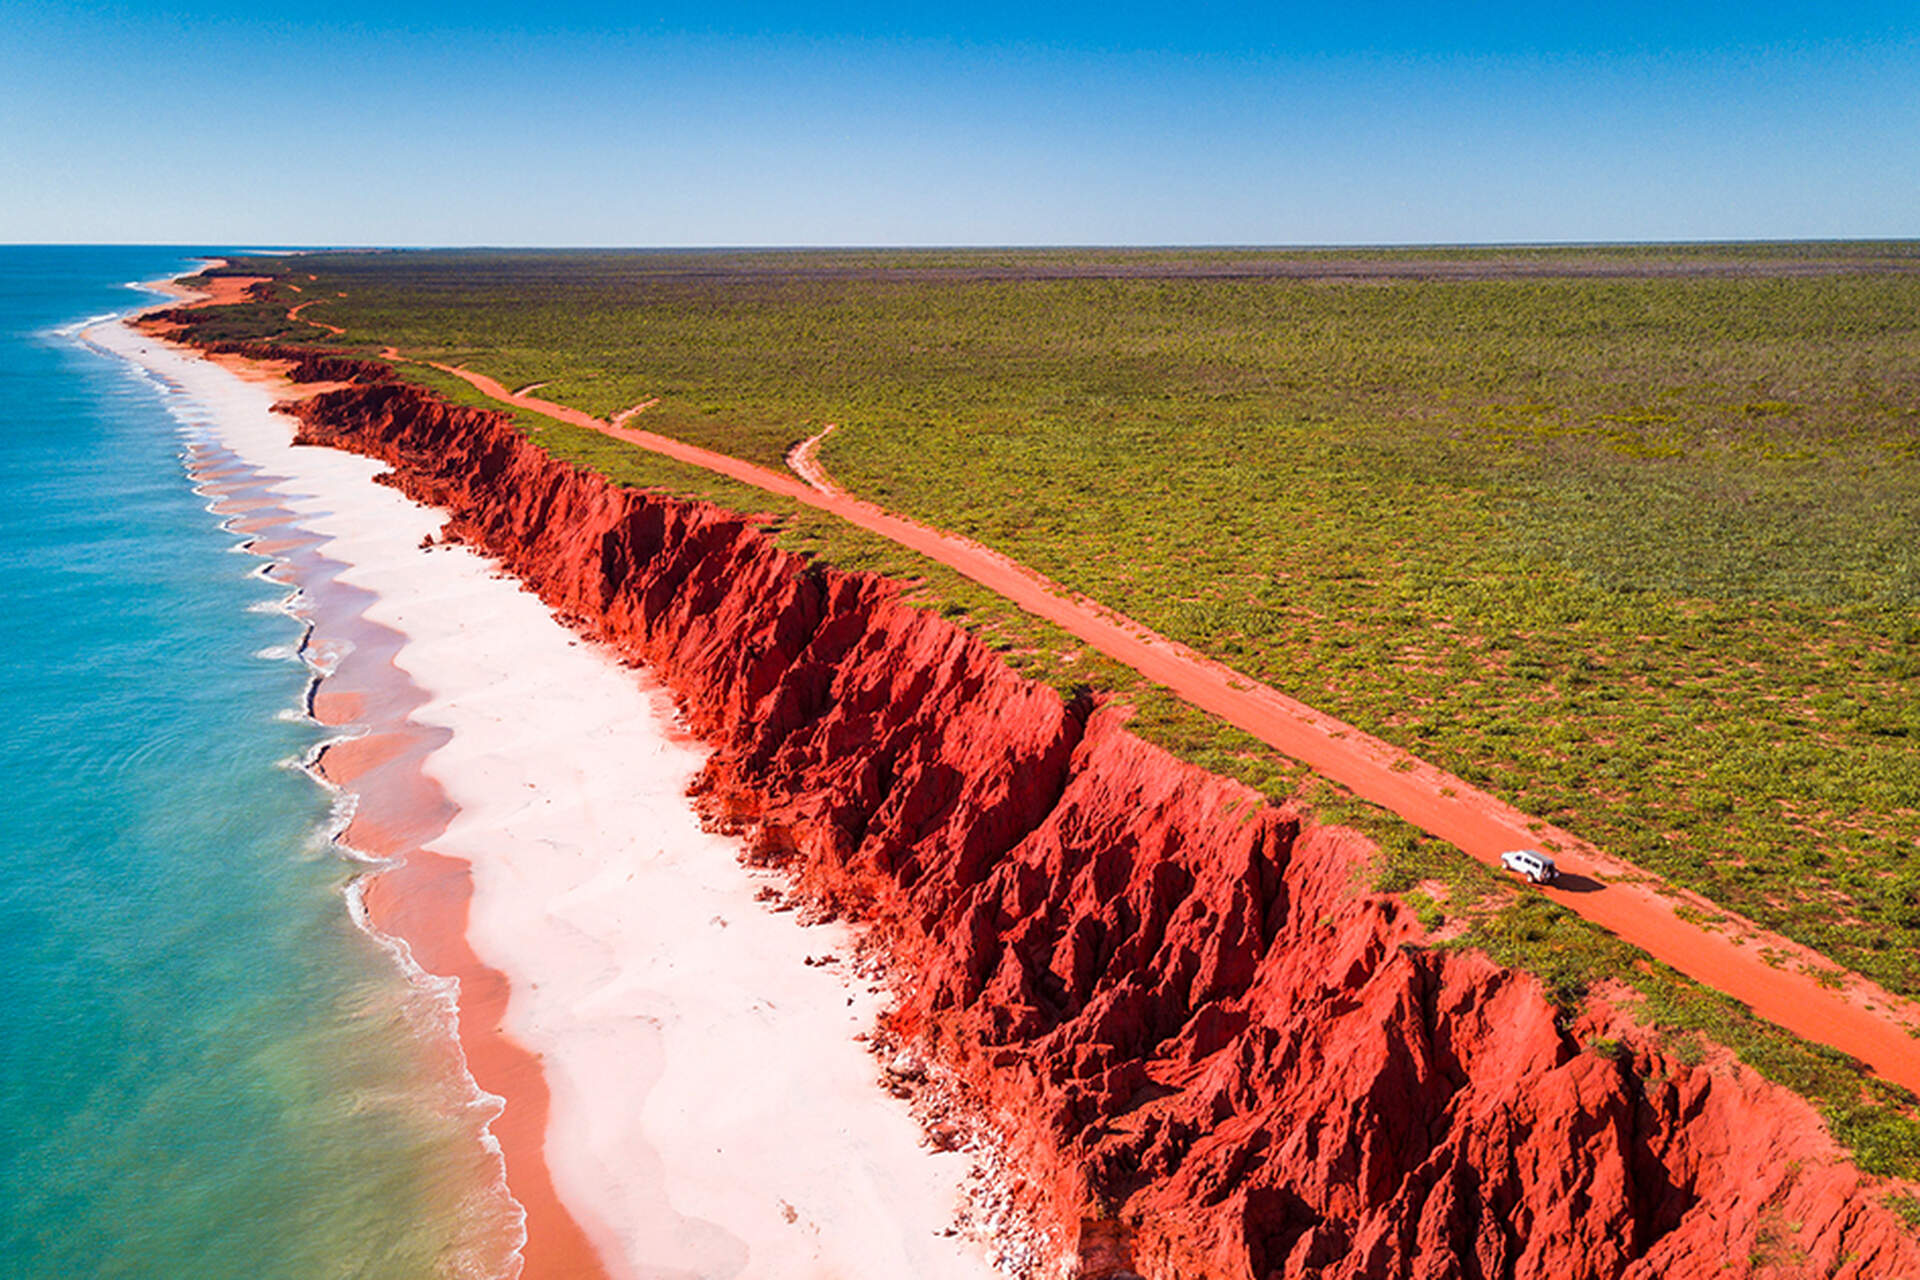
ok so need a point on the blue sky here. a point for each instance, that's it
(569, 123)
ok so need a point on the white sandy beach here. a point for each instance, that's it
(712, 1114)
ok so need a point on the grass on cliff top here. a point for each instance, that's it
(1031, 646)
(1634, 552)
(1629, 537)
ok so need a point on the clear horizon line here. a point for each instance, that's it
(1019, 247)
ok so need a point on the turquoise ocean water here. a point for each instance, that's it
(206, 1068)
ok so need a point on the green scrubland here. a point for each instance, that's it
(1627, 536)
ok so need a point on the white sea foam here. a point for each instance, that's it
(436, 1016)
(78, 327)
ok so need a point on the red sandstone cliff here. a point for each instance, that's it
(1190, 1014)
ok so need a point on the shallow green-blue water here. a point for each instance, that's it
(206, 1068)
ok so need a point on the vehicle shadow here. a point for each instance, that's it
(1570, 883)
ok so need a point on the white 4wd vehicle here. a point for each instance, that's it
(1537, 867)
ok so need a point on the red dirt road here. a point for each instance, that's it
(1854, 1016)
(293, 313)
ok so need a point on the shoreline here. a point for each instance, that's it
(665, 1145)
(394, 810)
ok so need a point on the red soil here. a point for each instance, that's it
(212, 291)
(424, 900)
(1174, 995)
(1811, 996)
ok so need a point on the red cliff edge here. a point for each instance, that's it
(1197, 1028)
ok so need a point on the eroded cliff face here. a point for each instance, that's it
(1181, 1001)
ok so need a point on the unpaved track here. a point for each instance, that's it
(1856, 1017)
(620, 419)
(804, 460)
(293, 313)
